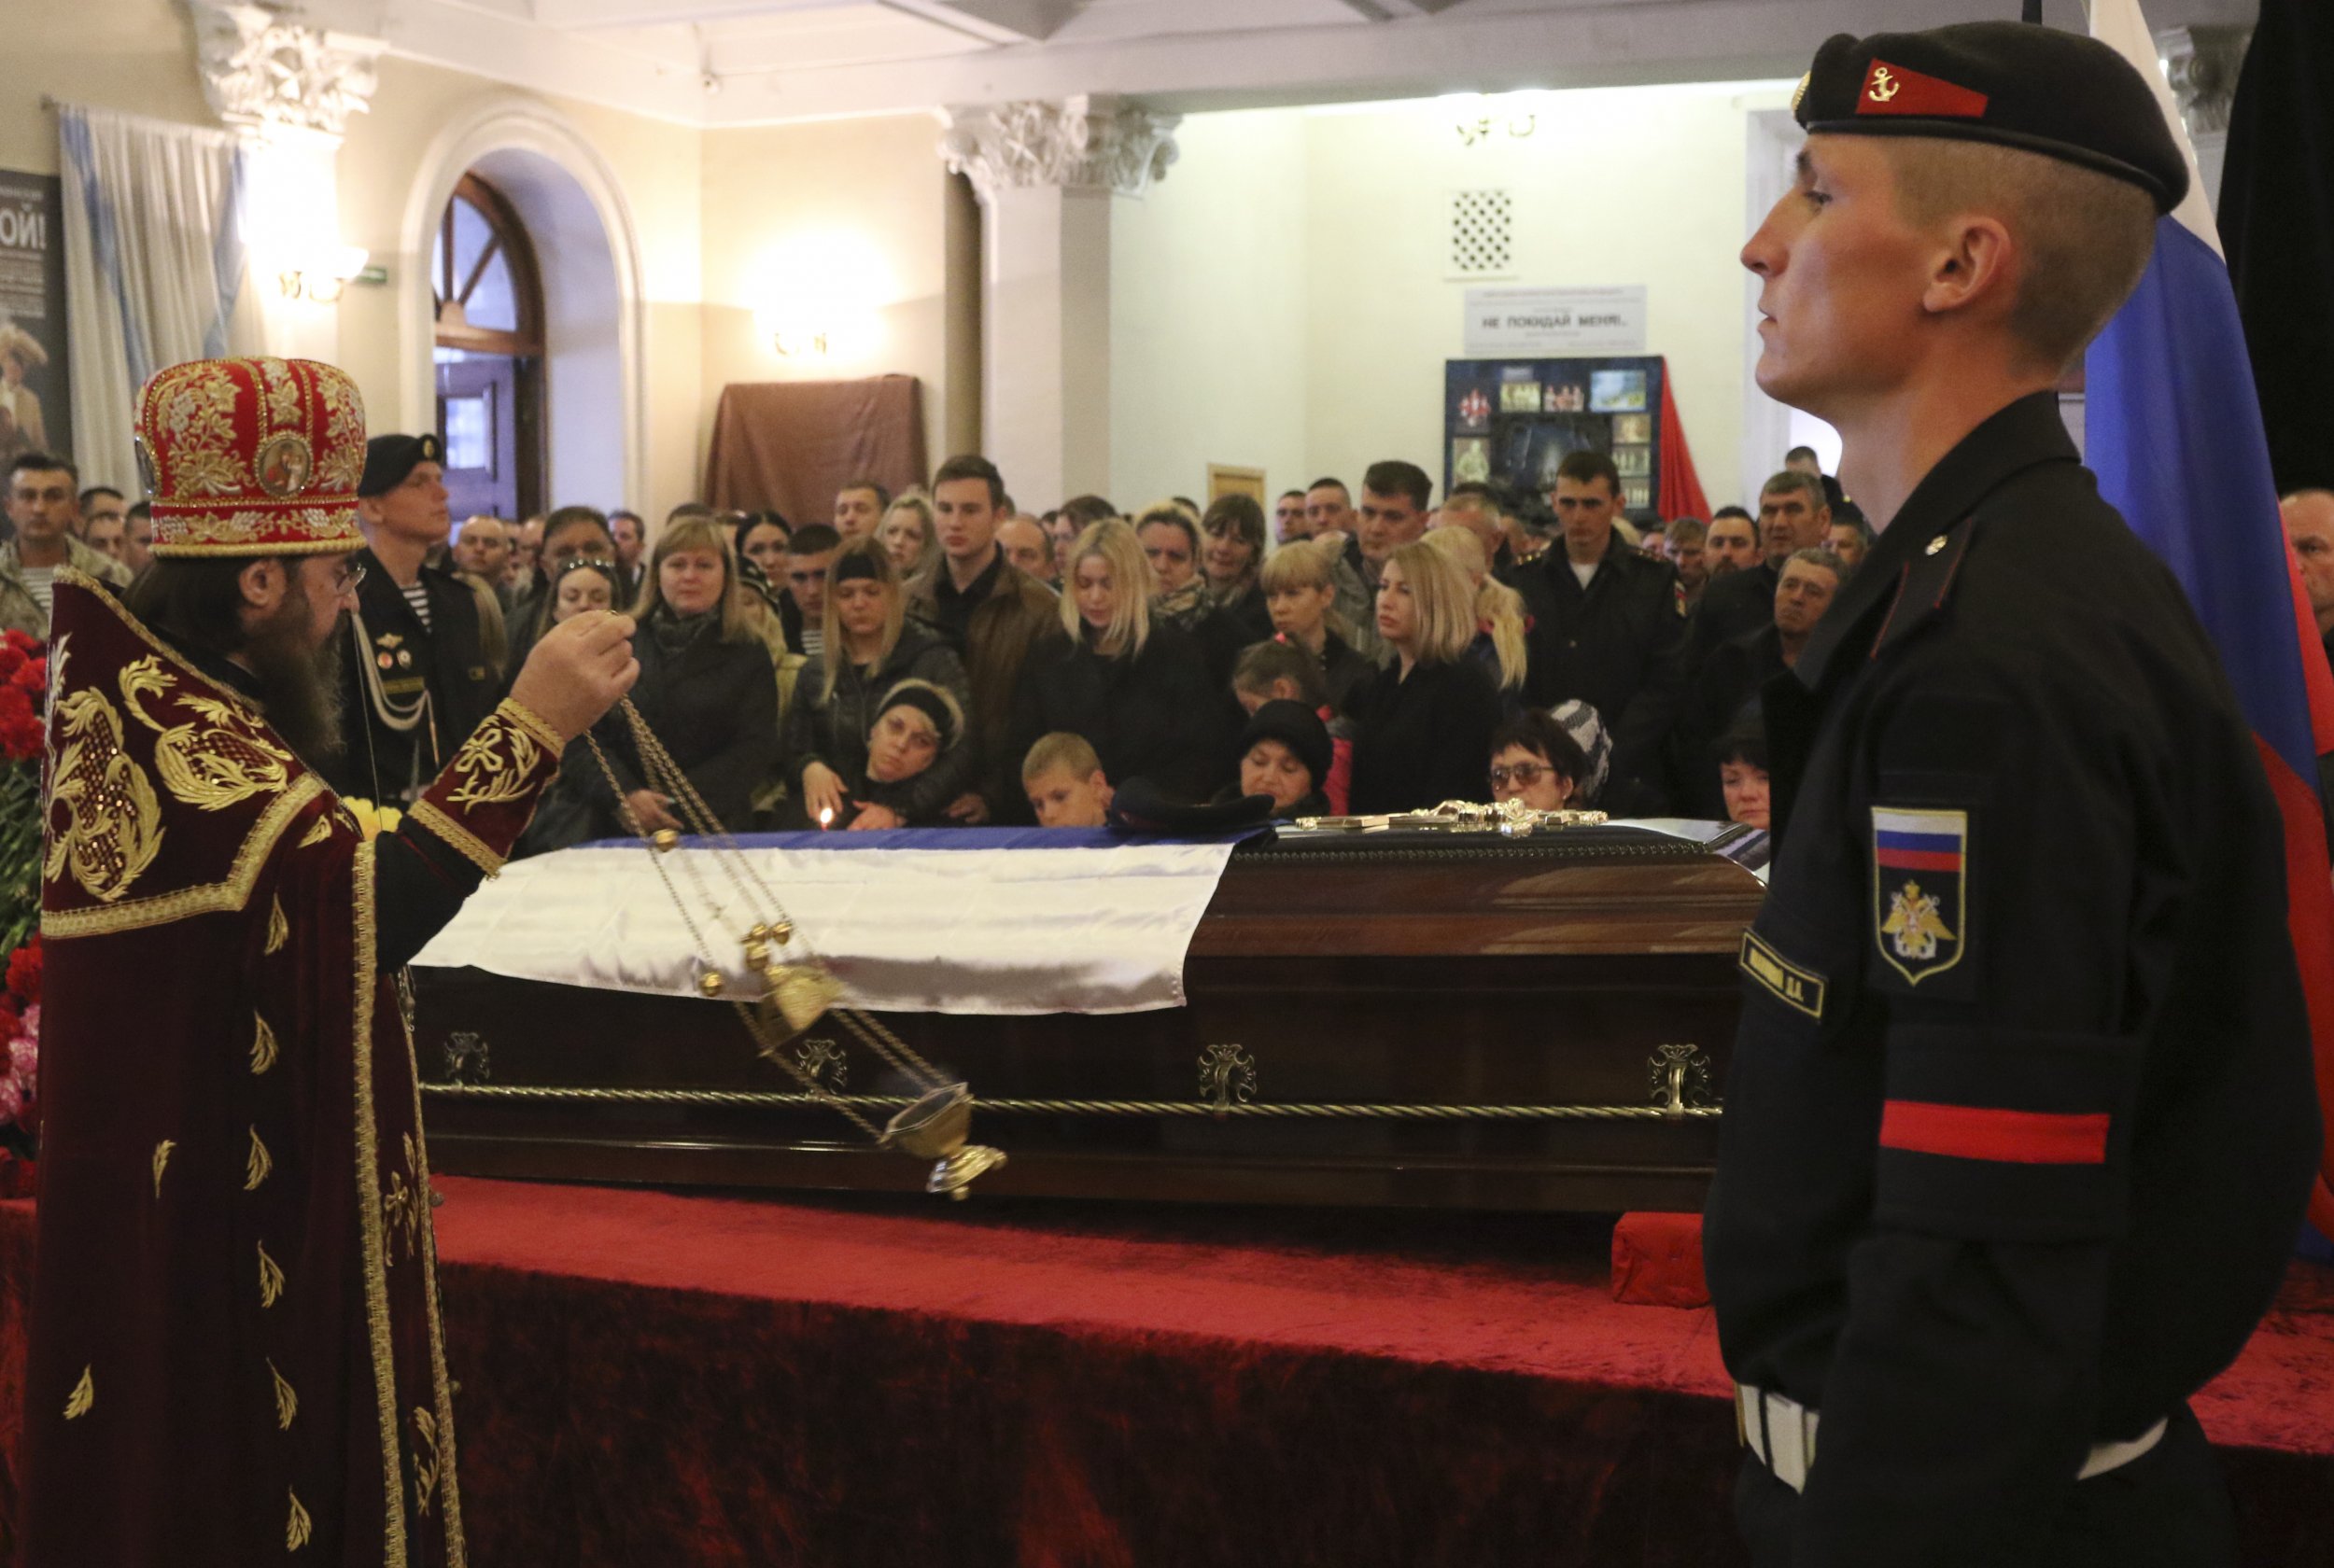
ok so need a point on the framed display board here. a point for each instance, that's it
(1510, 422)
(1225, 479)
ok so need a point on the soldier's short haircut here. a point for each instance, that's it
(2083, 237)
(1395, 477)
(1581, 464)
(813, 538)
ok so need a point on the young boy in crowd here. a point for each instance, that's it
(1278, 671)
(1284, 753)
(1064, 781)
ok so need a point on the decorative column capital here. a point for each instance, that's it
(2202, 63)
(270, 78)
(1092, 141)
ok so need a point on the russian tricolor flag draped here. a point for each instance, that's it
(2173, 430)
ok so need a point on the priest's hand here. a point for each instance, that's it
(577, 671)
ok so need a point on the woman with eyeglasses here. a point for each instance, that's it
(1534, 761)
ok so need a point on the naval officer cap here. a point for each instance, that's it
(389, 458)
(2012, 84)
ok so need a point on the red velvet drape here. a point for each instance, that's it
(1680, 491)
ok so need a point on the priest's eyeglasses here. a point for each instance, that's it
(349, 578)
(1524, 774)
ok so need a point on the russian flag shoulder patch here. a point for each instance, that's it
(1919, 885)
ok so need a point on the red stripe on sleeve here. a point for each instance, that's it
(1919, 860)
(2012, 1137)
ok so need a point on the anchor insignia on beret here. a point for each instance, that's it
(1884, 86)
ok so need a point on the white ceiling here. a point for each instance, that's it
(748, 62)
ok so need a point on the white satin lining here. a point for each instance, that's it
(906, 930)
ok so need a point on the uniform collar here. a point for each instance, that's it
(1913, 566)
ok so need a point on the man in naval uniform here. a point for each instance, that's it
(417, 678)
(235, 1353)
(2019, 1124)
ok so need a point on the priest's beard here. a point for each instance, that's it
(299, 685)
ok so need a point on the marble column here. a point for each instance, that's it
(1047, 174)
(287, 92)
(2203, 64)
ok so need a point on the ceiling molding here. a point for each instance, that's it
(667, 71)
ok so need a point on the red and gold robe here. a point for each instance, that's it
(235, 1347)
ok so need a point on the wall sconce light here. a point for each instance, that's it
(818, 298)
(1480, 118)
(799, 344)
(320, 276)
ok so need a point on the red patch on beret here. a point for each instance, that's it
(1892, 90)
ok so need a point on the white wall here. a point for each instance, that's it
(1337, 217)
(1208, 313)
(865, 196)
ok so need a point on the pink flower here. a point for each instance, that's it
(32, 1023)
(11, 1100)
(24, 1059)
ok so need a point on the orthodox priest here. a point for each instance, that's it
(235, 1348)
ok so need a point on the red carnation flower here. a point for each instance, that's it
(21, 740)
(16, 704)
(24, 642)
(24, 972)
(11, 660)
(33, 678)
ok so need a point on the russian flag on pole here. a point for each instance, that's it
(2173, 430)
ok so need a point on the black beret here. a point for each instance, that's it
(2010, 83)
(389, 458)
(1297, 727)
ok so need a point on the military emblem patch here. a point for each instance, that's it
(1920, 883)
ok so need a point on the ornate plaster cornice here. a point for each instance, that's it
(268, 76)
(2202, 63)
(1092, 141)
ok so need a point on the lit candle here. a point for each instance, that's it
(826, 818)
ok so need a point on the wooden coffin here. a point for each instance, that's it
(1452, 1021)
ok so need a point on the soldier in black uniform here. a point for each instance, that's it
(1616, 641)
(2019, 1124)
(414, 679)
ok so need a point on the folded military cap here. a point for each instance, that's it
(389, 458)
(2010, 83)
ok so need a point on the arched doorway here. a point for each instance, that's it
(488, 354)
(595, 396)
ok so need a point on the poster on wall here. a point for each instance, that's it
(36, 402)
(1510, 422)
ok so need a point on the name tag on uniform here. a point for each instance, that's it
(1791, 986)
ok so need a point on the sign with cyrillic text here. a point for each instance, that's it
(1546, 321)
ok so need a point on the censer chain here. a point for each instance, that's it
(668, 779)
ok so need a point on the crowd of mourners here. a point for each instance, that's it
(938, 657)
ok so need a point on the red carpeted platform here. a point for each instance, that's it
(653, 1378)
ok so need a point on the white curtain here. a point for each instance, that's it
(153, 261)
